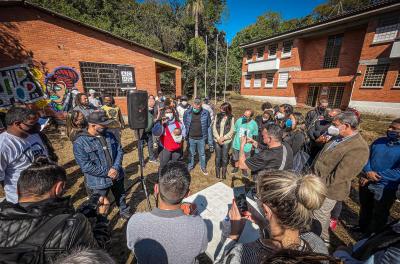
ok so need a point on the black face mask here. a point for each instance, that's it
(33, 129)
(101, 131)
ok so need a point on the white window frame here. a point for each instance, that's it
(258, 57)
(387, 29)
(370, 75)
(257, 81)
(269, 85)
(283, 79)
(269, 51)
(287, 54)
(397, 81)
(247, 82)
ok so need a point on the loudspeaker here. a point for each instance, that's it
(137, 109)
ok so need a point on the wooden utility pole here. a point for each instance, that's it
(205, 70)
(226, 67)
(216, 70)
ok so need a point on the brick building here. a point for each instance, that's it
(351, 59)
(36, 36)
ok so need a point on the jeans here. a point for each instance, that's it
(200, 145)
(165, 156)
(374, 213)
(148, 139)
(222, 155)
(118, 191)
(323, 217)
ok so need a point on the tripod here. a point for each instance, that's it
(141, 165)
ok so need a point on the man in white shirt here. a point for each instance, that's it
(20, 145)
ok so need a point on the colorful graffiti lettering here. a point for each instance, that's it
(59, 85)
(18, 85)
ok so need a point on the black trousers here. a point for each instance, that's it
(222, 155)
(165, 156)
(374, 213)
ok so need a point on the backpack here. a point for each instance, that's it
(302, 157)
(31, 249)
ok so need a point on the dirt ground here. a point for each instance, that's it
(371, 128)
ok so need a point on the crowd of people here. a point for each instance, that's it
(302, 168)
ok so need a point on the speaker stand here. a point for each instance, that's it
(142, 180)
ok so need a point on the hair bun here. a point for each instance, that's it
(311, 192)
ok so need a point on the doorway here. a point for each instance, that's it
(332, 92)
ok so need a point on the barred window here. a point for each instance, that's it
(332, 51)
(249, 54)
(387, 29)
(101, 77)
(287, 48)
(375, 75)
(269, 80)
(283, 79)
(272, 50)
(257, 80)
(397, 83)
(260, 53)
(247, 80)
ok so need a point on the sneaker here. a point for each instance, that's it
(235, 170)
(333, 224)
(125, 214)
(204, 171)
(245, 173)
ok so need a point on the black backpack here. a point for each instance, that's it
(31, 250)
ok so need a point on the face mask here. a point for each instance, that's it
(184, 103)
(288, 123)
(280, 116)
(245, 119)
(177, 139)
(333, 131)
(265, 119)
(393, 135)
(101, 131)
(322, 109)
(169, 116)
(33, 129)
(196, 111)
(223, 113)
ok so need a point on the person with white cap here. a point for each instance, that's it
(93, 100)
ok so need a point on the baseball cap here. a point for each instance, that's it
(197, 101)
(184, 98)
(99, 118)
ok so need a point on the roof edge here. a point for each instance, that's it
(75, 21)
(346, 17)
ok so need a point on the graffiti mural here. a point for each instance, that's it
(59, 85)
(18, 85)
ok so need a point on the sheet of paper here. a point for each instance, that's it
(213, 204)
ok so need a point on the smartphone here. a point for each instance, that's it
(239, 194)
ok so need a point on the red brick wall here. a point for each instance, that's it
(52, 42)
(375, 51)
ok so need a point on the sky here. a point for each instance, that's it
(242, 13)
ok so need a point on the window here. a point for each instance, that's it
(260, 53)
(249, 54)
(101, 77)
(269, 80)
(247, 80)
(397, 83)
(387, 29)
(375, 75)
(283, 79)
(257, 80)
(332, 51)
(287, 49)
(272, 51)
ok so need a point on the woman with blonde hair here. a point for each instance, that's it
(287, 201)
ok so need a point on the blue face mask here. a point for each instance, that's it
(393, 135)
(288, 123)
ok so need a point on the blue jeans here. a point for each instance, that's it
(200, 144)
(119, 194)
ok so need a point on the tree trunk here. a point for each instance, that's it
(196, 35)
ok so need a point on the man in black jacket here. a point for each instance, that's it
(317, 113)
(40, 203)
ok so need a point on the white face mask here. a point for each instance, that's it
(177, 139)
(184, 103)
(170, 116)
(333, 131)
(279, 116)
